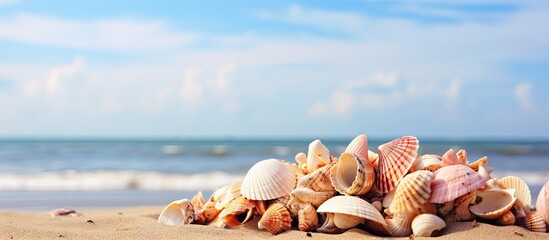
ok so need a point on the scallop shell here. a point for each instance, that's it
(318, 156)
(453, 181)
(359, 147)
(507, 218)
(268, 179)
(352, 175)
(357, 207)
(493, 203)
(307, 218)
(177, 213)
(412, 192)
(400, 224)
(522, 191)
(425, 224)
(542, 204)
(534, 222)
(427, 162)
(474, 165)
(395, 159)
(450, 158)
(276, 219)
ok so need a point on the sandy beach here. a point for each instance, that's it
(140, 223)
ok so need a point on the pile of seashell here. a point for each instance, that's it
(395, 192)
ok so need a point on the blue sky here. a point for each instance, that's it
(298, 68)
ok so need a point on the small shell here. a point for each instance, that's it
(534, 222)
(64, 212)
(425, 224)
(395, 159)
(412, 192)
(238, 209)
(318, 156)
(307, 218)
(542, 204)
(427, 162)
(177, 213)
(474, 165)
(400, 224)
(450, 158)
(483, 172)
(359, 147)
(522, 191)
(506, 219)
(453, 181)
(268, 179)
(352, 175)
(493, 203)
(198, 201)
(276, 219)
(300, 158)
(462, 156)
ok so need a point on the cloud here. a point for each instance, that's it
(523, 96)
(53, 83)
(190, 90)
(220, 80)
(452, 94)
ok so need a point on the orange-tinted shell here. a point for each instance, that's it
(395, 159)
(412, 192)
(276, 219)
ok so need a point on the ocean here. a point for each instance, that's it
(43, 174)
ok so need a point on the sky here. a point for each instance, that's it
(473, 69)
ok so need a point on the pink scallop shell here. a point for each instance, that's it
(454, 181)
(395, 159)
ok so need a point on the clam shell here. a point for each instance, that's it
(453, 181)
(412, 192)
(542, 204)
(400, 224)
(177, 213)
(493, 203)
(268, 179)
(276, 219)
(427, 162)
(534, 222)
(352, 175)
(425, 224)
(359, 147)
(522, 191)
(318, 156)
(395, 159)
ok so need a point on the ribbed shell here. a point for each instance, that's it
(425, 224)
(268, 179)
(534, 222)
(522, 191)
(352, 175)
(542, 204)
(352, 206)
(412, 192)
(453, 181)
(318, 156)
(276, 219)
(495, 202)
(400, 224)
(395, 159)
(359, 147)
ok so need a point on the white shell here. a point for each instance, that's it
(318, 156)
(400, 224)
(494, 203)
(268, 179)
(522, 191)
(177, 213)
(425, 224)
(542, 204)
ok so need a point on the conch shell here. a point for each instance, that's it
(352, 175)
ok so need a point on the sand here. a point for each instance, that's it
(140, 223)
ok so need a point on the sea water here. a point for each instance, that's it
(41, 174)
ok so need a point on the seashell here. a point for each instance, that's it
(453, 181)
(315, 187)
(388, 198)
(483, 171)
(542, 204)
(493, 203)
(492, 183)
(534, 222)
(318, 156)
(329, 225)
(352, 175)
(64, 212)
(474, 165)
(425, 224)
(444, 209)
(177, 213)
(462, 203)
(209, 212)
(518, 210)
(300, 158)
(349, 211)
(307, 218)
(373, 158)
(239, 211)
(412, 192)
(462, 156)
(260, 207)
(198, 201)
(427, 162)
(276, 219)
(522, 191)
(232, 191)
(268, 179)
(400, 224)
(395, 159)
(359, 147)
(450, 158)
(507, 218)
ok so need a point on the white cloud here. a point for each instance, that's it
(220, 81)
(190, 90)
(523, 95)
(53, 83)
(453, 92)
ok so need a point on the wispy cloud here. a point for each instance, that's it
(523, 96)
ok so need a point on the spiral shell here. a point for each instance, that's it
(352, 175)
(412, 192)
(425, 224)
(453, 181)
(268, 179)
(395, 159)
(400, 224)
(276, 219)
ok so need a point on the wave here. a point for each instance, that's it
(115, 180)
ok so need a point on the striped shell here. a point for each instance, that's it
(307, 218)
(276, 219)
(352, 175)
(542, 204)
(412, 192)
(177, 213)
(493, 203)
(400, 224)
(522, 191)
(268, 179)
(425, 224)
(318, 156)
(534, 222)
(359, 147)
(453, 181)
(395, 159)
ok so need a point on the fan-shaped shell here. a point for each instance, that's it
(427, 162)
(177, 213)
(352, 175)
(542, 204)
(534, 222)
(359, 147)
(276, 219)
(493, 203)
(425, 224)
(268, 179)
(453, 181)
(412, 192)
(522, 191)
(318, 156)
(395, 159)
